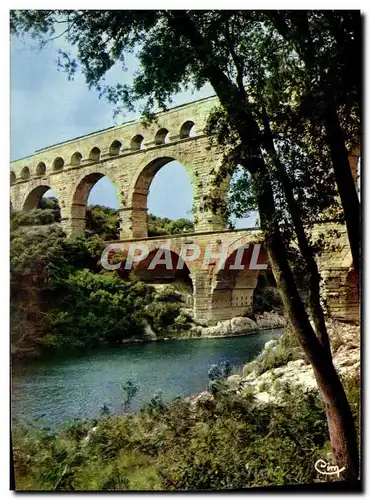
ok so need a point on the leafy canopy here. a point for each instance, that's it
(247, 46)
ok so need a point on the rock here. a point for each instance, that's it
(266, 387)
(235, 381)
(241, 324)
(270, 344)
(222, 329)
(263, 397)
(270, 320)
(89, 434)
(148, 333)
(202, 397)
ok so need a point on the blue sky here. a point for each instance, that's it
(46, 108)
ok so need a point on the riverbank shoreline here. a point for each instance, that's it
(134, 342)
(249, 333)
(239, 326)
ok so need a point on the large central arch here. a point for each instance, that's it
(139, 194)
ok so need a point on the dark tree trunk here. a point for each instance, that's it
(346, 186)
(341, 426)
(317, 312)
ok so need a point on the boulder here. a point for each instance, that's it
(241, 324)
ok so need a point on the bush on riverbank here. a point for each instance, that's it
(229, 441)
(276, 353)
(166, 314)
(266, 296)
(59, 297)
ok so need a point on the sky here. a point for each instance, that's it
(47, 108)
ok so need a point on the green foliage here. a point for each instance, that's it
(217, 375)
(102, 221)
(352, 387)
(95, 309)
(162, 315)
(60, 296)
(45, 269)
(165, 313)
(158, 226)
(266, 296)
(279, 353)
(37, 217)
(225, 442)
(219, 371)
(280, 41)
(50, 203)
(168, 294)
(183, 323)
(129, 390)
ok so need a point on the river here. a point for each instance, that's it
(50, 392)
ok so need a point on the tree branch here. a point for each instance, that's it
(238, 65)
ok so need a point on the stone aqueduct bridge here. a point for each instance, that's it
(130, 155)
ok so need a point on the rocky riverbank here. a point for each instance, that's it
(233, 327)
(345, 343)
(239, 326)
(266, 384)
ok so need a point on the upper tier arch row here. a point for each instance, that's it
(177, 124)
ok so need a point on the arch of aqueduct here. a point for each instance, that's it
(130, 155)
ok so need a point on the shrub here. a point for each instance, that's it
(102, 221)
(95, 309)
(229, 442)
(266, 296)
(37, 217)
(352, 387)
(58, 297)
(278, 354)
(158, 226)
(161, 315)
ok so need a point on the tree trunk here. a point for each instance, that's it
(346, 186)
(317, 312)
(343, 436)
(341, 426)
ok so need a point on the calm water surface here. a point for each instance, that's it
(53, 391)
